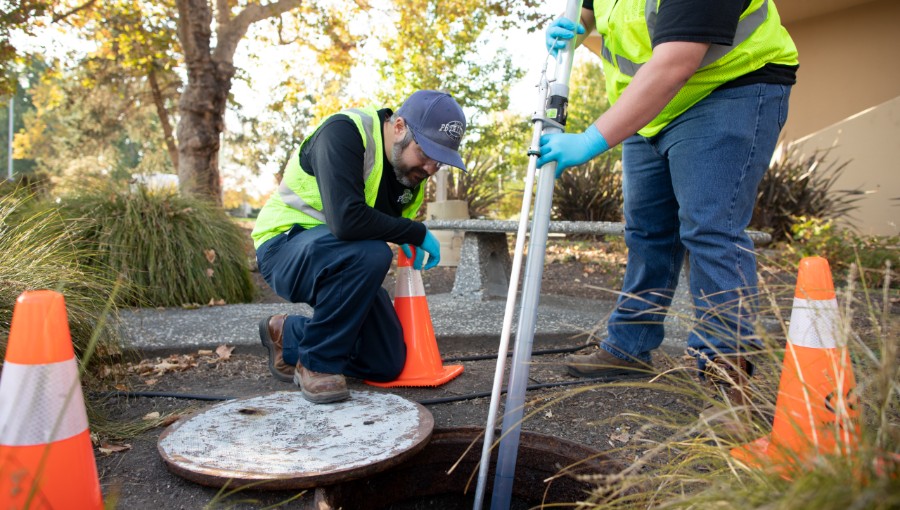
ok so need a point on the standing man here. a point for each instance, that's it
(352, 186)
(699, 92)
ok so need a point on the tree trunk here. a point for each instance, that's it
(202, 104)
(200, 127)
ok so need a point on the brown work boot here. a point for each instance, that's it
(271, 331)
(731, 415)
(321, 388)
(601, 363)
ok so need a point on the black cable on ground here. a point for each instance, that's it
(158, 394)
(425, 402)
(431, 401)
(541, 352)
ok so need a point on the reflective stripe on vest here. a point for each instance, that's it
(745, 27)
(41, 404)
(291, 198)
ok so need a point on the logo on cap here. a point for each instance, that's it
(454, 129)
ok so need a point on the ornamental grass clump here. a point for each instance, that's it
(38, 253)
(174, 251)
(798, 185)
(589, 192)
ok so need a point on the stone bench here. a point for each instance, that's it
(484, 261)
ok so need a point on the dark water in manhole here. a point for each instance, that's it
(422, 482)
(454, 502)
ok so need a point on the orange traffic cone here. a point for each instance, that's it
(423, 360)
(46, 460)
(815, 412)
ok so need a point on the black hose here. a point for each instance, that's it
(425, 402)
(559, 350)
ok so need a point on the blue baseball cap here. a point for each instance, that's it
(437, 123)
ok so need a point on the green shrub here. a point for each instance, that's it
(800, 186)
(843, 247)
(175, 251)
(39, 254)
(589, 192)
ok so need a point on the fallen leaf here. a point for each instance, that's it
(151, 382)
(209, 272)
(623, 437)
(168, 420)
(151, 416)
(216, 302)
(548, 414)
(210, 255)
(107, 448)
(224, 352)
(165, 366)
(204, 352)
(191, 306)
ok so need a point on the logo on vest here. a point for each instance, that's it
(406, 197)
(454, 129)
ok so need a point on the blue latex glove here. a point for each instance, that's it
(431, 246)
(571, 149)
(559, 32)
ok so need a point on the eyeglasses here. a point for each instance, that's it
(434, 164)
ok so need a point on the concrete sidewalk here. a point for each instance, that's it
(459, 324)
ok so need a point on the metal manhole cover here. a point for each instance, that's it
(282, 441)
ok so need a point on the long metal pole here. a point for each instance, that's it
(534, 270)
(9, 147)
(503, 348)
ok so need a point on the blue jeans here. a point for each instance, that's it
(693, 187)
(354, 329)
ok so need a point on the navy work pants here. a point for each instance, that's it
(354, 329)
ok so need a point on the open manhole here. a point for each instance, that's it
(547, 470)
(282, 441)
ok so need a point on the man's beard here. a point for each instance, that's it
(401, 170)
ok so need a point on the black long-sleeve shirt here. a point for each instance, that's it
(334, 155)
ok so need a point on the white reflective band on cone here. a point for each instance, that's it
(409, 283)
(814, 323)
(40, 404)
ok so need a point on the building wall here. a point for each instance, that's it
(849, 62)
(848, 96)
(868, 142)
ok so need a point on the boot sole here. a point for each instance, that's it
(270, 346)
(321, 398)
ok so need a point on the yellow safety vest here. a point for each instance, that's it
(297, 200)
(627, 28)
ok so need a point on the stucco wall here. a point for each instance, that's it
(849, 62)
(870, 143)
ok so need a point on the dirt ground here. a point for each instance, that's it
(133, 474)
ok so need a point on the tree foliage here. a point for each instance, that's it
(177, 58)
(80, 133)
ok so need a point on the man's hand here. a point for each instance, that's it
(431, 246)
(570, 149)
(559, 32)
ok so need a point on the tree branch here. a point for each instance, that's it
(222, 12)
(163, 115)
(230, 34)
(194, 18)
(59, 17)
